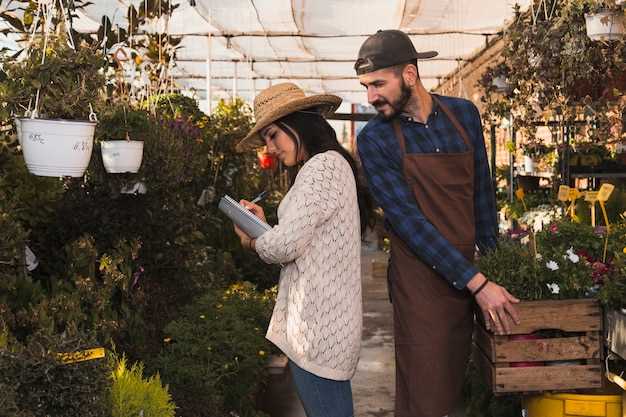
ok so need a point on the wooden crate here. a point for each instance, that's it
(583, 343)
(616, 332)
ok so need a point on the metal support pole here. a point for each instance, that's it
(208, 78)
(512, 162)
(235, 79)
(493, 156)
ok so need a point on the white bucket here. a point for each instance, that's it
(605, 26)
(56, 148)
(529, 164)
(121, 156)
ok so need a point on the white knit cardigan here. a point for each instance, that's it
(317, 319)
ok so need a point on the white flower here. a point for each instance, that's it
(538, 257)
(572, 256)
(525, 240)
(552, 266)
(554, 288)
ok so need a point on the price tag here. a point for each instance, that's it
(81, 356)
(591, 196)
(573, 194)
(605, 191)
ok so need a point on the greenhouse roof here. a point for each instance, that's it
(312, 43)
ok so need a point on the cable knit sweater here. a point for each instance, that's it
(317, 319)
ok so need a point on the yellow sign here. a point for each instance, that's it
(591, 196)
(605, 191)
(81, 356)
(573, 194)
(563, 193)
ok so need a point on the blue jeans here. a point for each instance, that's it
(322, 397)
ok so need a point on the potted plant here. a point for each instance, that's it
(605, 22)
(121, 132)
(533, 150)
(56, 91)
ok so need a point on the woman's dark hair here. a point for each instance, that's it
(316, 135)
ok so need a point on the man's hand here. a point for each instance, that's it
(496, 304)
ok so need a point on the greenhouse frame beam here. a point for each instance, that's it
(286, 77)
(303, 60)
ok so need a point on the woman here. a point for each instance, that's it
(317, 319)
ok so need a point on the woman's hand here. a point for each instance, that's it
(255, 209)
(245, 239)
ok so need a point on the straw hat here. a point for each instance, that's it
(278, 101)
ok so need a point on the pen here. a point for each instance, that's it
(259, 197)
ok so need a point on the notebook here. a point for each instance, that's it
(243, 218)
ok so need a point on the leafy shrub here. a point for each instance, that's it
(132, 395)
(215, 353)
(39, 385)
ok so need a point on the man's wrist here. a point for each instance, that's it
(475, 282)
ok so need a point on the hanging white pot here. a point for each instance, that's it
(120, 156)
(529, 164)
(501, 84)
(56, 148)
(605, 26)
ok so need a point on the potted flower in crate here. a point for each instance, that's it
(121, 131)
(55, 93)
(560, 273)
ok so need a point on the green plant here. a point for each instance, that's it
(39, 385)
(67, 83)
(133, 395)
(119, 121)
(565, 260)
(215, 353)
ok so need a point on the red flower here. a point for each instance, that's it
(585, 255)
(554, 228)
(599, 270)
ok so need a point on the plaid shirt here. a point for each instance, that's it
(380, 155)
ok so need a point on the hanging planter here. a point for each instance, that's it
(501, 84)
(56, 148)
(605, 26)
(529, 164)
(121, 156)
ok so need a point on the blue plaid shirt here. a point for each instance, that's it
(380, 155)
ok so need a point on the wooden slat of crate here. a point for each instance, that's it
(494, 353)
(566, 315)
(500, 349)
(538, 378)
(616, 332)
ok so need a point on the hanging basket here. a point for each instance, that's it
(56, 148)
(529, 164)
(121, 156)
(605, 26)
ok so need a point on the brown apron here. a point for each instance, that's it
(433, 321)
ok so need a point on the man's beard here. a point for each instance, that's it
(397, 106)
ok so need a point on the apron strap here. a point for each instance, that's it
(454, 121)
(399, 135)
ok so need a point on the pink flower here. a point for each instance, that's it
(599, 271)
(554, 228)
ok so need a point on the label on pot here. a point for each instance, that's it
(82, 146)
(36, 137)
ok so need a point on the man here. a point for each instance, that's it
(425, 160)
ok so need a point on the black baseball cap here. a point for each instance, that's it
(386, 48)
